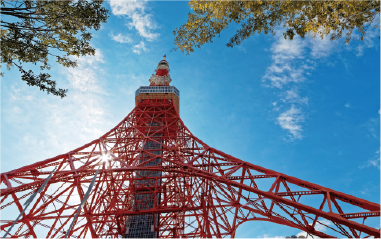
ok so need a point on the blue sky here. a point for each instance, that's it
(308, 108)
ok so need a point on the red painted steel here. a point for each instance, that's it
(203, 191)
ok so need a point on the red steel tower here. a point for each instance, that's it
(150, 176)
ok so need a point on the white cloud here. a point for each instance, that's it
(287, 70)
(347, 105)
(319, 226)
(368, 41)
(373, 162)
(321, 47)
(144, 23)
(63, 124)
(292, 96)
(290, 67)
(282, 70)
(268, 236)
(85, 76)
(120, 38)
(135, 10)
(373, 127)
(291, 120)
(120, 7)
(139, 47)
(289, 49)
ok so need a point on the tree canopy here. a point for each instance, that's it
(34, 31)
(333, 19)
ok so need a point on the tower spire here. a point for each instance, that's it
(162, 77)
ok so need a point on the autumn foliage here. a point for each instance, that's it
(333, 19)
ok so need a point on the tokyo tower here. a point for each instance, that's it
(150, 177)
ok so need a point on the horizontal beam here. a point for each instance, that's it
(297, 193)
(361, 214)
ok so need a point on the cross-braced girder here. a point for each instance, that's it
(197, 191)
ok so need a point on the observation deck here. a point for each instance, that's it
(158, 92)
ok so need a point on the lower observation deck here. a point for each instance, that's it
(158, 92)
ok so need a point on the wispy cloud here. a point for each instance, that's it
(139, 48)
(63, 124)
(292, 96)
(292, 63)
(373, 127)
(292, 120)
(121, 38)
(368, 42)
(321, 48)
(85, 76)
(284, 69)
(347, 105)
(373, 162)
(136, 11)
(319, 226)
(268, 236)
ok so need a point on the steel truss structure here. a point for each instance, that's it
(193, 189)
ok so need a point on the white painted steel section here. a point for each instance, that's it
(157, 89)
(30, 199)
